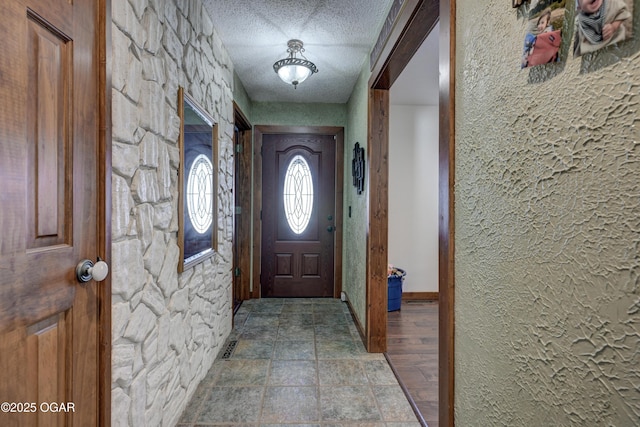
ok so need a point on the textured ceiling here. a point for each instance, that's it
(337, 34)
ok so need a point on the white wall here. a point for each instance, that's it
(413, 195)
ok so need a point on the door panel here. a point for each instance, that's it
(298, 263)
(48, 169)
(49, 138)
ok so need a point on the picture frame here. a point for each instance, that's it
(197, 182)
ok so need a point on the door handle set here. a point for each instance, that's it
(330, 228)
(87, 270)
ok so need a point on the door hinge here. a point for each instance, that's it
(260, 214)
(238, 148)
(236, 272)
(238, 210)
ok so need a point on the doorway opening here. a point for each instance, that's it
(412, 331)
(414, 22)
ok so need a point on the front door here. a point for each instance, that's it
(48, 191)
(298, 215)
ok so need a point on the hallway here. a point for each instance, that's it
(298, 361)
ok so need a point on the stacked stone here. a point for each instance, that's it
(167, 327)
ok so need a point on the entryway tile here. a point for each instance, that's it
(290, 404)
(393, 403)
(232, 405)
(295, 350)
(336, 349)
(352, 403)
(243, 372)
(341, 372)
(298, 363)
(253, 349)
(293, 372)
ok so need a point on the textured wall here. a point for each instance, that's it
(547, 230)
(355, 228)
(167, 328)
(293, 114)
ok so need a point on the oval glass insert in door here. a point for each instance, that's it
(298, 194)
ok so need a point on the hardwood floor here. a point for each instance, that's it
(412, 351)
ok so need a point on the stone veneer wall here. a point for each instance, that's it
(547, 291)
(167, 328)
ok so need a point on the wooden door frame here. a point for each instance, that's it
(414, 21)
(104, 208)
(243, 245)
(261, 130)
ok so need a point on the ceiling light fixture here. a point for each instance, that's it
(293, 70)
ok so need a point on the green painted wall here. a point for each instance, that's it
(355, 228)
(547, 199)
(294, 114)
(241, 97)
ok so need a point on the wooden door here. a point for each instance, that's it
(48, 171)
(298, 215)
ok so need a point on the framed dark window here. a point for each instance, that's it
(197, 175)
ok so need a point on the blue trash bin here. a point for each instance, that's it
(394, 292)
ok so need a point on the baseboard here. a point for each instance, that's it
(355, 320)
(420, 296)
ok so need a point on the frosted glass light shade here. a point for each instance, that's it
(294, 74)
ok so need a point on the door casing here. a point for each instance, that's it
(259, 131)
(104, 207)
(242, 208)
(414, 22)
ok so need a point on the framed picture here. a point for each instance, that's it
(544, 33)
(601, 23)
(197, 177)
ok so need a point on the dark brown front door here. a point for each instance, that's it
(48, 173)
(298, 215)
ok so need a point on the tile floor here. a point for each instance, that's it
(298, 362)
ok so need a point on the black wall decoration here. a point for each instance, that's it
(357, 167)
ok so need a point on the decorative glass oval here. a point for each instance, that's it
(200, 194)
(298, 194)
